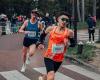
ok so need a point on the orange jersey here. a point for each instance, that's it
(56, 46)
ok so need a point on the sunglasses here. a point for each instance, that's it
(65, 19)
(35, 13)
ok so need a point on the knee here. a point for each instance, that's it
(51, 75)
(32, 50)
(24, 52)
(31, 53)
(24, 49)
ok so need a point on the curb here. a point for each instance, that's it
(83, 63)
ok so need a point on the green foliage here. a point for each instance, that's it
(98, 24)
(48, 6)
(88, 5)
(87, 54)
(72, 51)
(82, 25)
(10, 7)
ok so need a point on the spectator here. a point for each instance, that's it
(13, 23)
(48, 20)
(91, 28)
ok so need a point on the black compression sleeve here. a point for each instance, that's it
(42, 37)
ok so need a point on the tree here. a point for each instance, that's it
(83, 13)
(94, 7)
(78, 10)
(10, 7)
(73, 10)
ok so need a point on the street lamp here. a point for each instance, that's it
(36, 4)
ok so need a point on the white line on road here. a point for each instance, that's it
(13, 75)
(83, 71)
(58, 76)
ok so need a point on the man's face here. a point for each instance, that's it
(63, 20)
(33, 15)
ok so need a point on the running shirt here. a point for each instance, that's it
(56, 46)
(34, 30)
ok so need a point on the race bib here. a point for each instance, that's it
(39, 33)
(57, 48)
(32, 34)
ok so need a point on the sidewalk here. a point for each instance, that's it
(82, 35)
(95, 64)
(97, 45)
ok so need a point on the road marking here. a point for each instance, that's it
(83, 71)
(58, 75)
(13, 75)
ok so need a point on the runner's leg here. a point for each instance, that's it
(24, 53)
(32, 50)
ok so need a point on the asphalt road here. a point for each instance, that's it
(11, 62)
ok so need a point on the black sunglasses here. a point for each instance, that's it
(35, 13)
(64, 19)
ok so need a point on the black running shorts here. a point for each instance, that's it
(51, 65)
(28, 41)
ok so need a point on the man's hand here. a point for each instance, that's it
(40, 46)
(26, 32)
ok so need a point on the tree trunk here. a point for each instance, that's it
(83, 10)
(73, 10)
(94, 7)
(78, 10)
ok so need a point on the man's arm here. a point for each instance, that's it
(43, 34)
(21, 30)
(40, 25)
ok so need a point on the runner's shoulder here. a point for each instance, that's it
(26, 22)
(50, 28)
(69, 30)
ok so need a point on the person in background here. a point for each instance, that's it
(48, 20)
(14, 23)
(91, 28)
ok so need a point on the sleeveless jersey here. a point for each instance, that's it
(56, 46)
(34, 30)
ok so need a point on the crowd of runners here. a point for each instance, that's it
(60, 38)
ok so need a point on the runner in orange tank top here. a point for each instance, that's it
(56, 46)
(59, 38)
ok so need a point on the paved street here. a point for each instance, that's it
(11, 62)
(82, 35)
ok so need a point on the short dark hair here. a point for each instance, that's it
(58, 14)
(36, 12)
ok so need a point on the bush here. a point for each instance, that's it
(87, 54)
